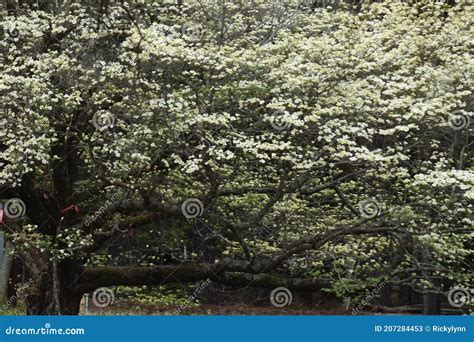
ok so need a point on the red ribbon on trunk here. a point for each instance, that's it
(73, 207)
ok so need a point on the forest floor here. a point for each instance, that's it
(222, 310)
(129, 309)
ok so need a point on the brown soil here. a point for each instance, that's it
(222, 310)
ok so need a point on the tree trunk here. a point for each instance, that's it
(432, 301)
(43, 302)
(43, 298)
(5, 271)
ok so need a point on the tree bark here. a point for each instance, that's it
(73, 284)
(5, 271)
(47, 298)
(92, 278)
(42, 301)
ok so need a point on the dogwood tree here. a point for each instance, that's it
(265, 143)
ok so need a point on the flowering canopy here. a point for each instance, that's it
(270, 138)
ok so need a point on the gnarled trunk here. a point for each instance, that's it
(55, 291)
